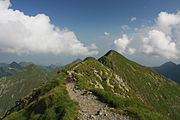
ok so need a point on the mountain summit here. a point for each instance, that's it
(9, 69)
(111, 87)
(15, 65)
(169, 64)
(169, 70)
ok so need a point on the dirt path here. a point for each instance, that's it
(89, 107)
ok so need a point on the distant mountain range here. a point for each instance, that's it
(111, 87)
(10, 69)
(169, 70)
(16, 86)
(19, 79)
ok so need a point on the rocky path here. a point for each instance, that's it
(89, 107)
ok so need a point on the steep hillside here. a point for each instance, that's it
(15, 87)
(169, 70)
(48, 102)
(153, 89)
(111, 88)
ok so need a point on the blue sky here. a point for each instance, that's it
(89, 19)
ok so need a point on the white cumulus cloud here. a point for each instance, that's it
(23, 34)
(162, 38)
(122, 43)
(125, 27)
(166, 22)
(131, 51)
(133, 19)
(106, 33)
(156, 42)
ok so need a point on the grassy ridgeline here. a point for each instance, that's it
(131, 89)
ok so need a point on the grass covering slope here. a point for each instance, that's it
(111, 89)
(18, 85)
(131, 89)
(155, 90)
(51, 103)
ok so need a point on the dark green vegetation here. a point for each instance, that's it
(129, 107)
(169, 70)
(18, 85)
(50, 102)
(113, 90)
(153, 89)
(132, 89)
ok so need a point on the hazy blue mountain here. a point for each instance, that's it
(169, 70)
(9, 69)
(15, 65)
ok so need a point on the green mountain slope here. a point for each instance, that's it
(10, 69)
(153, 89)
(48, 102)
(122, 86)
(18, 85)
(111, 89)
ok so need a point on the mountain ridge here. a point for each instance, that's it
(169, 70)
(14, 67)
(9, 69)
(126, 87)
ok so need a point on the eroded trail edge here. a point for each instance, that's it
(90, 108)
